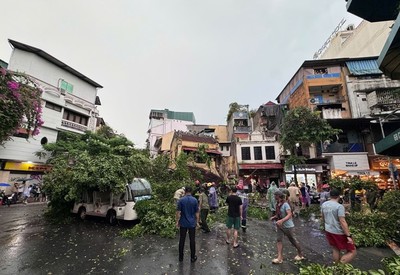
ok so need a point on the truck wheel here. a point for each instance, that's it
(82, 213)
(112, 217)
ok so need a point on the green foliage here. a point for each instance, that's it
(391, 206)
(301, 125)
(157, 216)
(338, 183)
(337, 269)
(20, 104)
(235, 107)
(392, 264)
(258, 213)
(90, 161)
(372, 229)
(219, 216)
(354, 183)
(314, 210)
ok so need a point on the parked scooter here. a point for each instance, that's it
(4, 198)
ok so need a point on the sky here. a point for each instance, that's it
(182, 55)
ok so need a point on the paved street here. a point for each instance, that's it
(29, 245)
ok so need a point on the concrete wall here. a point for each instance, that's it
(367, 39)
(21, 149)
(40, 68)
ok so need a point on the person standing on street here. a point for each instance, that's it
(294, 195)
(204, 209)
(241, 193)
(271, 198)
(336, 229)
(179, 194)
(234, 216)
(187, 217)
(285, 226)
(213, 197)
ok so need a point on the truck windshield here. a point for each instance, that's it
(140, 189)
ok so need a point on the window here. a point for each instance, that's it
(44, 141)
(321, 71)
(75, 117)
(246, 153)
(270, 152)
(64, 85)
(257, 153)
(53, 106)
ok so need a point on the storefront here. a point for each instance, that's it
(349, 164)
(12, 171)
(310, 174)
(380, 165)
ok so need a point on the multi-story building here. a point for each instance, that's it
(389, 57)
(367, 39)
(227, 167)
(350, 93)
(165, 121)
(176, 142)
(69, 103)
(255, 147)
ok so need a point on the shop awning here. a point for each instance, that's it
(390, 56)
(261, 166)
(390, 145)
(363, 67)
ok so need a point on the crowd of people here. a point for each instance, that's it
(284, 204)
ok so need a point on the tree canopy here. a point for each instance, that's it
(91, 161)
(303, 127)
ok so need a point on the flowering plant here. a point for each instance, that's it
(20, 105)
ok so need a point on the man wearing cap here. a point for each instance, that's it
(336, 229)
(285, 227)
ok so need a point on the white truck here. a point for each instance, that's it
(112, 206)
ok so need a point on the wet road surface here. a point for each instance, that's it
(30, 245)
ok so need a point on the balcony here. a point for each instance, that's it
(73, 125)
(342, 148)
(241, 129)
(319, 76)
(384, 97)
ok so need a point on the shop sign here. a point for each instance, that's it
(350, 162)
(382, 163)
(26, 166)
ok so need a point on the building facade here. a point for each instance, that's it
(351, 93)
(165, 121)
(69, 103)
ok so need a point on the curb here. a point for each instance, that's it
(394, 247)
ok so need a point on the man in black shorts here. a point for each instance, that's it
(234, 216)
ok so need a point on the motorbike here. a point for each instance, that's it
(4, 199)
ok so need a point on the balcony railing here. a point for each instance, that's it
(387, 97)
(342, 148)
(242, 129)
(316, 76)
(73, 125)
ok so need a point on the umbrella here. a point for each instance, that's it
(5, 184)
